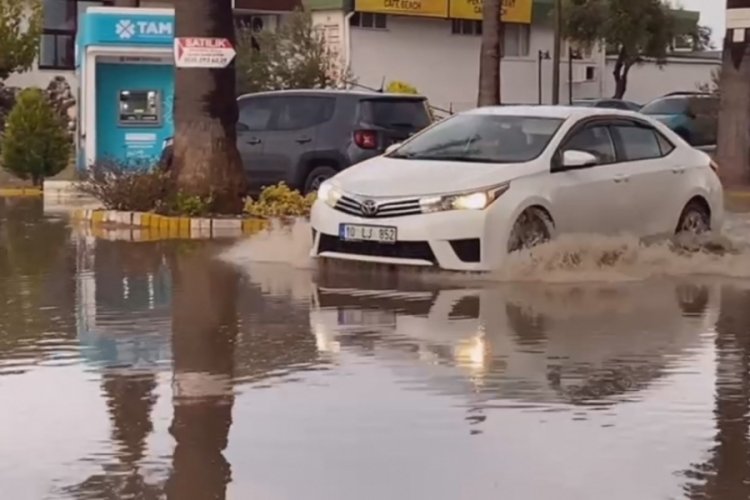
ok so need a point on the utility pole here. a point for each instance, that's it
(556, 53)
(733, 144)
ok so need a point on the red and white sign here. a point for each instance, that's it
(203, 52)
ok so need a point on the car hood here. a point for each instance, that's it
(383, 176)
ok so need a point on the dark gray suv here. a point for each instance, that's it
(303, 137)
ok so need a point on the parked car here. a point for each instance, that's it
(479, 185)
(303, 137)
(692, 115)
(607, 103)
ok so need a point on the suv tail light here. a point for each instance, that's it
(714, 166)
(366, 139)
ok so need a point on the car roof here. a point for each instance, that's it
(366, 94)
(560, 112)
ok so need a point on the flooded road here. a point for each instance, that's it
(186, 370)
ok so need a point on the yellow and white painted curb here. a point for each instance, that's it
(138, 226)
(17, 192)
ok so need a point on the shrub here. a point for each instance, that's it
(35, 143)
(398, 87)
(280, 201)
(133, 187)
(191, 206)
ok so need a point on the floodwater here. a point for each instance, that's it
(599, 368)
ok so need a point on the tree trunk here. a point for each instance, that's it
(733, 142)
(206, 162)
(489, 62)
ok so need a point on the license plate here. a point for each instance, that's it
(361, 232)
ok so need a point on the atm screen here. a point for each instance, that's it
(140, 107)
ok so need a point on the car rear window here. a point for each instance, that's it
(396, 113)
(667, 106)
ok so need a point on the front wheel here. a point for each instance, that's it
(532, 228)
(317, 177)
(695, 219)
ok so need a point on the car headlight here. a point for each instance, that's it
(472, 200)
(329, 193)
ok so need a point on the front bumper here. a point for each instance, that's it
(455, 240)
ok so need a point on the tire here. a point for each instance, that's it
(316, 177)
(695, 219)
(532, 228)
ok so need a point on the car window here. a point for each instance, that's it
(664, 144)
(411, 114)
(255, 114)
(483, 138)
(596, 140)
(638, 143)
(300, 112)
(614, 104)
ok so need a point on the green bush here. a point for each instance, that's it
(280, 201)
(399, 87)
(35, 144)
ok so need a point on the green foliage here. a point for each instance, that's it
(127, 187)
(35, 143)
(280, 201)
(191, 206)
(20, 29)
(293, 57)
(399, 87)
(631, 29)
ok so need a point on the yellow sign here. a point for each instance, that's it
(426, 8)
(514, 11)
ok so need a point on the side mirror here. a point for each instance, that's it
(574, 158)
(393, 147)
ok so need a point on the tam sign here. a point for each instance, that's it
(197, 52)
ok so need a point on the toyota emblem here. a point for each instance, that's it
(369, 208)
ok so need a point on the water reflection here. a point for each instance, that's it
(583, 345)
(725, 474)
(155, 370)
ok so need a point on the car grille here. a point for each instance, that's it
(395, 208)
(419, 250)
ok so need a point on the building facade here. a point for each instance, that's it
(431, 44)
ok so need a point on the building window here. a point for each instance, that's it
(368, 20)
(466, 27)
(60, 23)
(516, 39)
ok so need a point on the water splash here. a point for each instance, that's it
(568, 259)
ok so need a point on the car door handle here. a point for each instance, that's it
(622, 178)
(304, 140)
(678, 170)
(253, 141)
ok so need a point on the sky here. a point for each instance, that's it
(712, 14)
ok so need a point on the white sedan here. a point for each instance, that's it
(464, 193)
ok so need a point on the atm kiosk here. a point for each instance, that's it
(125, 68)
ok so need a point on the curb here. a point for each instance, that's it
(12, 192)
(742, 195)
(137, 226)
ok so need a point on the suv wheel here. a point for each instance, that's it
(317, 177)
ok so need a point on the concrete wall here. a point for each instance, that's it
(649, 81)
(445, 67)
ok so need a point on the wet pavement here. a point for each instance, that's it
(188, 370)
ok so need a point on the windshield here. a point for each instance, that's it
(410, 114)
(482, 138)
(668, 106)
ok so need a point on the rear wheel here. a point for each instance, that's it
(695, 219)
(316, 177)
(532, 228)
